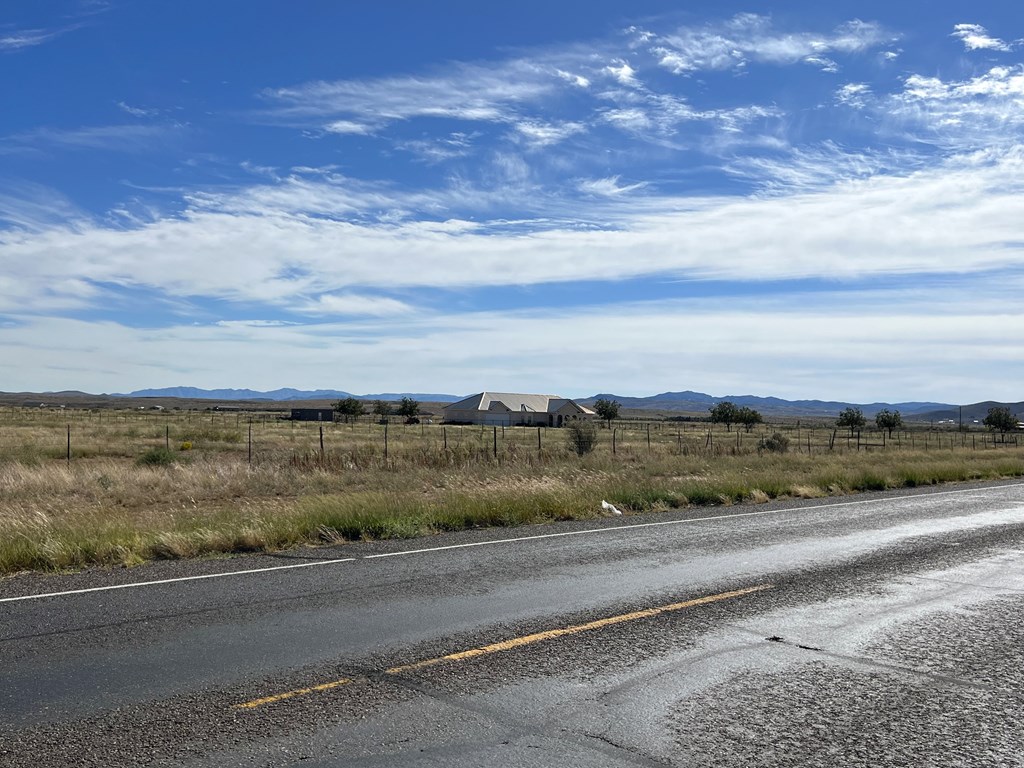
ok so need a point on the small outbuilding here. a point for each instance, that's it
(312, 414)
(507, 409)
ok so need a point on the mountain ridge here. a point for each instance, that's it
(686, 400)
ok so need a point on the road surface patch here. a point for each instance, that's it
(516, 642)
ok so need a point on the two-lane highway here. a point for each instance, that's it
(828, 631)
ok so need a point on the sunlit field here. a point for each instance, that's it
(142, 485)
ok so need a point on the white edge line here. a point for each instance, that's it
(632, 526)
(180, 578)
(659, 523)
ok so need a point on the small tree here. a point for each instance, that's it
(408, 408)
(606, 409)
(748, 417)
(852, 418)
(581, 436)
(349, 407)
(1000, 419)
(382, 409)
(890, 420)
(725, 413)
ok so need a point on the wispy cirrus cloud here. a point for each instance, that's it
(750, 38)
(33, 207)
(137, 111)
(609, 186)
(121, 138)
(538, 133)
(28, 38)
(440, 149)
(473, 92)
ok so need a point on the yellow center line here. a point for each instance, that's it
(516, 642)
(552, 633)
(292, 694)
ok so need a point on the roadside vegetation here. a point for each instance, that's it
(140, 486)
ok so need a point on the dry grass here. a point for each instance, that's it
(106, 508)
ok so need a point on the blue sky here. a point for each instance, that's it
(821, 201)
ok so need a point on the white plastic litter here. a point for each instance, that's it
(610, 508)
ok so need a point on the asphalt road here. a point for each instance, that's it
(871, 630)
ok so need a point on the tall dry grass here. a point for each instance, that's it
(106, 508)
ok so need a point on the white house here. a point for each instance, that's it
(506, 409)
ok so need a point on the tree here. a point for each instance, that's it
(890, 420)
(382, 408)
(350, 406)
(725, 413)
(408, 408)
(606, 409)
(748, 417)
(852, 418)
(1000, 418)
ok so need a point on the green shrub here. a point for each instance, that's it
(581, 436)
(157, 457)
(777, 443)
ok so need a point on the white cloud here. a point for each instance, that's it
(348, 127)
(975, 37)
(355, 304)
(633, 120)
(962, 217)
(853, 95)
(578, 80)
(983, 111)
(824, 63)
(622, 72)
(846, 345)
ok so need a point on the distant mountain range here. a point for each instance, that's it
(286, 394)
(701, 402)
(687, 401)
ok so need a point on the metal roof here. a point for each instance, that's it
(511, 400)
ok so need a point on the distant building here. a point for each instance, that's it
(312, 414)
(506, 409)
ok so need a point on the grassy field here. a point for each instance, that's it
(148, 485)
